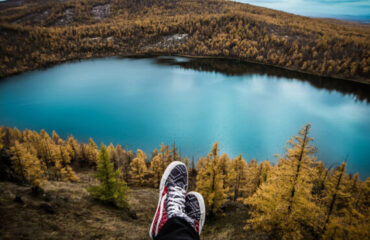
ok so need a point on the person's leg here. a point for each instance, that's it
(177, 217)
(196, 210)
(177, 228)
(171, 202)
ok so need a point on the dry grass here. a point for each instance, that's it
(65, 211)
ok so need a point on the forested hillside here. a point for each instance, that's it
(36, 34)
(296, 198)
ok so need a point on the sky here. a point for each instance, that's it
(343, 9)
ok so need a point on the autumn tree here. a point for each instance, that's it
(253, 177)
(359, 209)
(210, 181)
(74, 149)
(126, 158)
(138, 168)
(227, 173)
(283, 205)
(2, 134)
(26, 165)
(111, 188)
(239, 179)
(346, 209)
(175, 156)
(62, 161)
(156, 167)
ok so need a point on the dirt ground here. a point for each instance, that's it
(62, 210)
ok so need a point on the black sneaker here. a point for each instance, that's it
(171, 203)
(196, 210)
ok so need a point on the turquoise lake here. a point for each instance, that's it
(139, 103)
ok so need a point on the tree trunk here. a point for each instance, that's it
(298, 169)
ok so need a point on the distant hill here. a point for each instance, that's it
(36, 34)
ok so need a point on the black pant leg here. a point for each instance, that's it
(177, 228)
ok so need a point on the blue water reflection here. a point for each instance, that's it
(140, 104)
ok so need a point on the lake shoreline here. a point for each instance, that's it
(53, 64)
(228, 30)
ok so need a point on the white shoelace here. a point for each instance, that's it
(176, 203)
(176, 200)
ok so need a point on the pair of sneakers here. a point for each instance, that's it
(174, 202)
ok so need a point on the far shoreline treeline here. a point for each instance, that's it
(293, 199)
(45, 33)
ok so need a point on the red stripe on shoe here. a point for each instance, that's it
(197, 226)
(161, 210)
(164, 217)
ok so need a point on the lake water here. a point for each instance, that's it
(354, 10)
(139, 103)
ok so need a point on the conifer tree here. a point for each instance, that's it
(253, 177)
(322, 174)
(113, 156)
(55, 137)
(239, 166)
(74, 150)
(2, 134)
(284, 204)
(25, 165)
(157, 170)
(228, 174)
(111, 189)
(125, 158)
(192, 175)
(62, 161)
(337, 204)
(174, 154)
(120, 154)
(155, 152)
(358, 217)
(210, 181)
(186, 162)
(92, 152)
(264, 172)
(167, 158)
(17, 134)
(138, 168)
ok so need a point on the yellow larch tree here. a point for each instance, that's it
(264, 172)
(112, 154)
(283, 205)
(138, 168)
(17, 134)
(62, 161)
(346, 207)
(26, 165)
(253, 177)
(92, 152)
(210, 181)
(228, 174)
(239, 165)
(124, 160)
(167, 158)
(55, 137)
(336, 193)
(74, 149)
(2, 134)
(358, 218)
(156, 168)
(175, 156)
